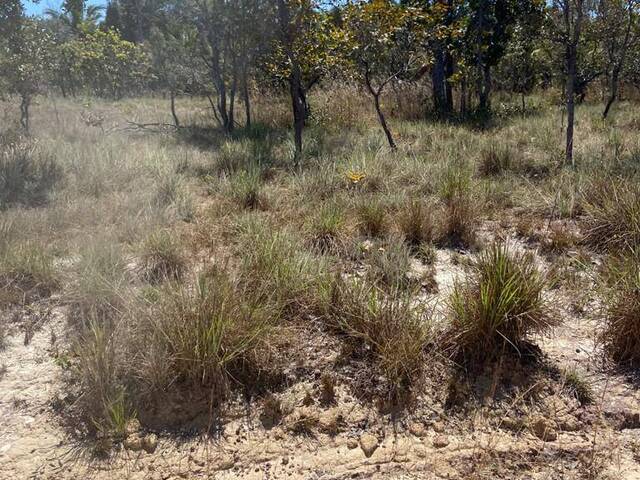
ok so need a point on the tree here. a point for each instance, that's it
(379, 45)
(175, 67)
(76, 15)
(566, 18)
(24, 61)
(618, 33)
(302, 53)
(104, 64)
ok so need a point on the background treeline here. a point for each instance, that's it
(231, 51)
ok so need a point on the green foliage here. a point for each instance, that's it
(103, 63)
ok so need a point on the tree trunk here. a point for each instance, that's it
(463, 97)
(438, 80)
(299, 110)
(485, 89)
(613, 92)
(176, 120)
(24, 111)
(448, 72)
(570, 90)
(246, 98)
(375, 93)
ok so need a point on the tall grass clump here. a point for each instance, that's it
(416, 224)
(211, 331)
(613, 214)
(27, 175)
(499, 305)
(495, 160)
(389, 326)
(390, 264)
(372, 217)
(621, 332)
(99, 282)
(276, 262)
(459, 218)
(161, 258)
(27, 272)
(326, 228)
(246, 189)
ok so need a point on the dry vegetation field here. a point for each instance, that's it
(189, 305)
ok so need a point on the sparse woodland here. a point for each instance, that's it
(304, 239)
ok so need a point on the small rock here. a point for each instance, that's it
(352, 443)
(226, 462)
(631, 419)
(543, 429)
(133, 442)
(133, 426)
(512, 424)
(438, 427)
(368, 443)
(569, 424)
(441, 441)
(417, 429)
(150, 443)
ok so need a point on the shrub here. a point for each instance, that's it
(26, 175)
(499, 305)
(161, 259)
(613, 214)
(621, 333)
(373, 218)
(389, 326)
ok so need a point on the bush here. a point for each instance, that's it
(499, 305)
(26, 176)
(621, 334)
(390, 326)
(613, 214)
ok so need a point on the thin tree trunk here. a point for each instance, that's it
(24, 112)
(246, 98)
(613, 93)
(176, 120)
(375, 93)
(299, 110)
(438, 79)
(570, 92)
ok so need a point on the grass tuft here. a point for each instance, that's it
(499, 305)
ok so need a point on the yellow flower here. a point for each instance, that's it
(355, 176)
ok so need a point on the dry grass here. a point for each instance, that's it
(621, 333)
